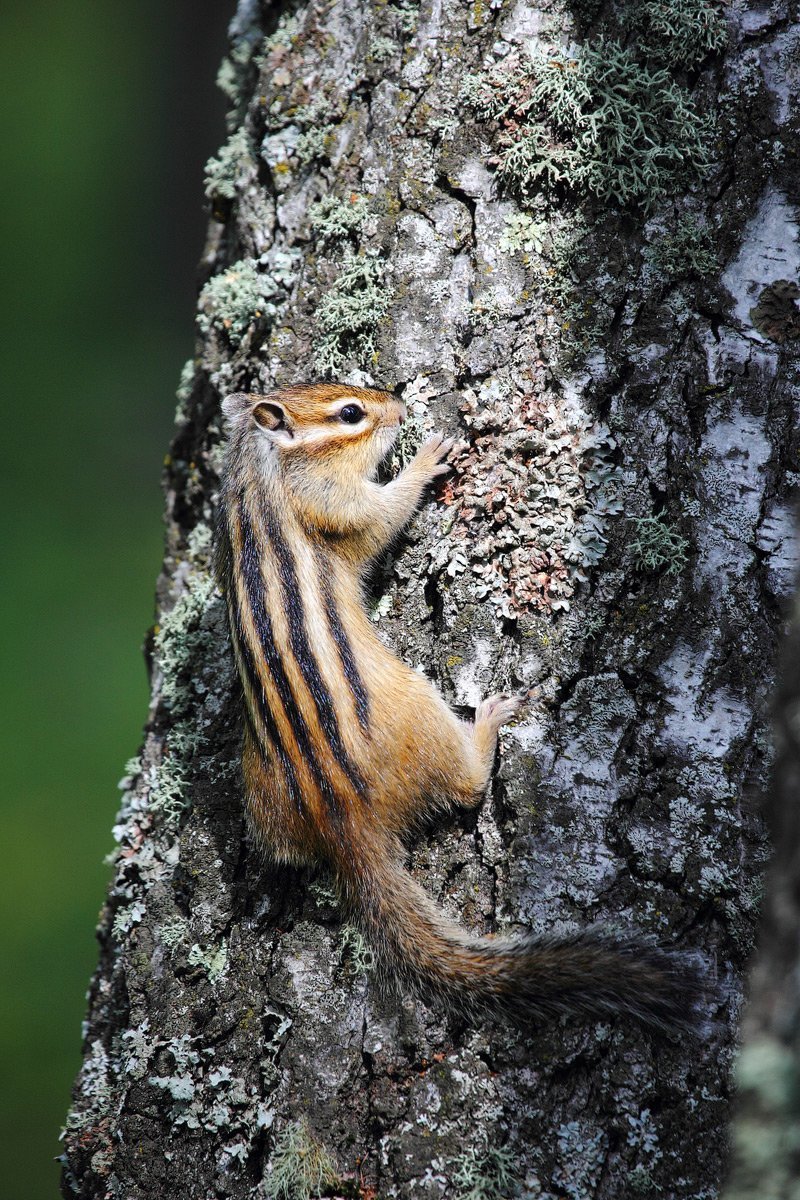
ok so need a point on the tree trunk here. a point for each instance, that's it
(766, 1145)
(566, 262)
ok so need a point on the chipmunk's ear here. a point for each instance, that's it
(273, 418)
(237, 404)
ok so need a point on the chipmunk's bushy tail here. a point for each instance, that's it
(590, 973)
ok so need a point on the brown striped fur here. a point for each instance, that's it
(346, 749)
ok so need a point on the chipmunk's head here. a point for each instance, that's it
(332, 423)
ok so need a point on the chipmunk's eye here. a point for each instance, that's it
(351, 414)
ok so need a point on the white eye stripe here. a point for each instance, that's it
(336, 406)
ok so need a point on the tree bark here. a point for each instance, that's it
(616, 532)
(766, 1143)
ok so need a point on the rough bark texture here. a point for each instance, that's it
(623, 379)
(766, 1130)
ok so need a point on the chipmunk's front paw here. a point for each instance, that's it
(428, 461)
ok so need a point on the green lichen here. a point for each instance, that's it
(181, 636)
(231, 301)
(334, 220)
(313, 144)
(564, 274)
(300, 1167)
(222, 174)
(356, 950)
(173, 932)
(597, 121)
(688, 249)
(349, 314)
(213, 960)
(125, 919)
(523, 232)
(658, 546)
(679, 33)
(184, 390)
(485, 1173)
(381, 48)
(170, 794)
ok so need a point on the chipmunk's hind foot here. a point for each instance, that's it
(496, 711)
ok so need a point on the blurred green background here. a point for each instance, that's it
(111, 111)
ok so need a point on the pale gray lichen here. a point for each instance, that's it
(300, 1167)
(125, 919)
(356, 950)
(181, 637)
(184, 390)
(523, 232)
(95, 1079)
(567, 273)
(679, 33)
(334, 220)
(658, 546)
(595, 119)
(488, 309)
(137, 1049)
(169, 782)
(234, 299)
(223, 173)
(582, 1151)
(381, 48)
(687, 249)
(213, 960)
(285, 34)
(485, 1173)
(349, 313)
(313, 143)
(173, 932)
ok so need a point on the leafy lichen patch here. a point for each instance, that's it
(232, 300)
(657, 545)
(596, 119)
(335, 220)
(680, 33)
(300, 1168)
(530, 528)
(223, 173)
(485, 1173)
(349, 314)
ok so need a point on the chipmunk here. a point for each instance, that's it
(346, 749)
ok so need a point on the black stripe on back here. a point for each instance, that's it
(339, 635)
(272, 731)
(254, 585)
(304, 655)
